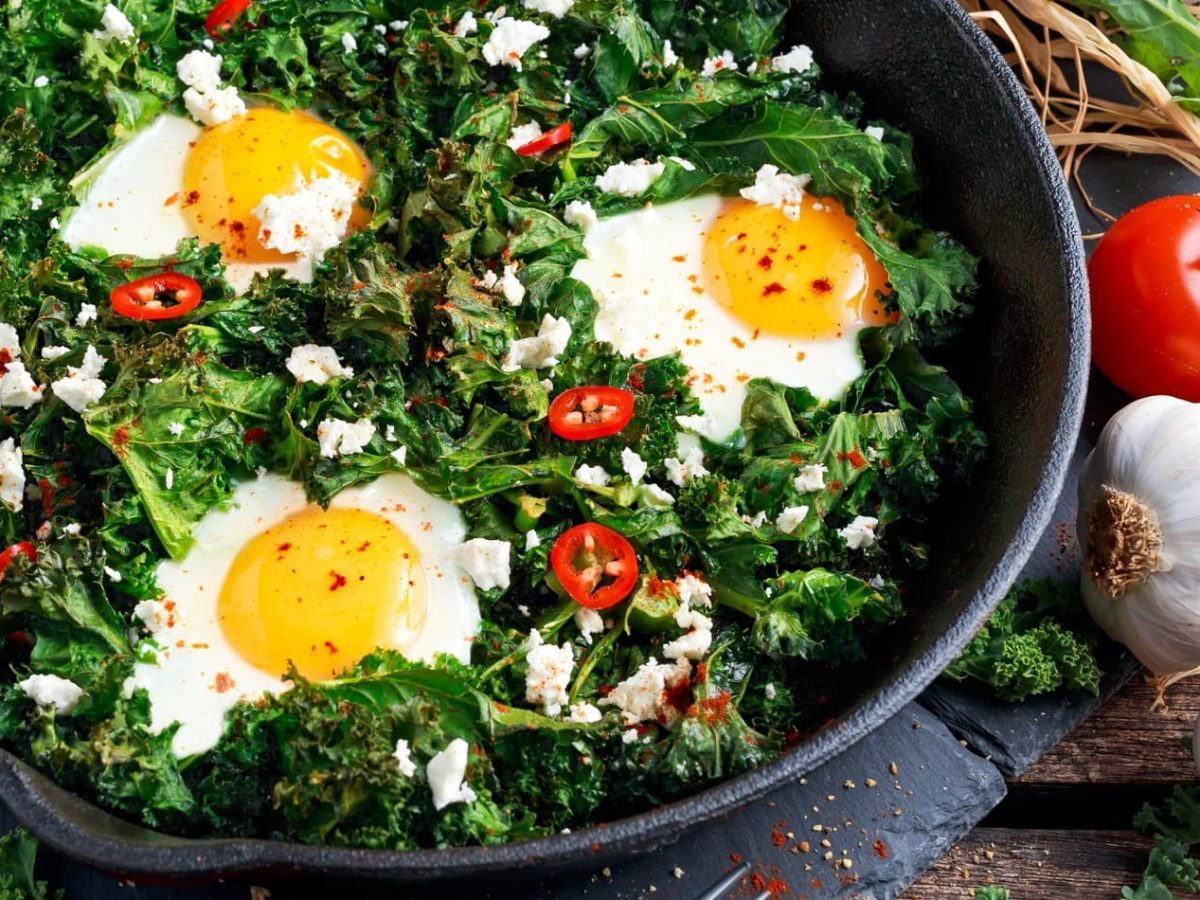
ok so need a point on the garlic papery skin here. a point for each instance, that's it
(1139, 527)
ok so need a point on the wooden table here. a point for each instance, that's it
(1064, 830)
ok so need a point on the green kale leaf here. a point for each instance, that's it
(18, 854)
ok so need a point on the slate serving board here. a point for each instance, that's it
(893, 804)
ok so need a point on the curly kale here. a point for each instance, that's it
(991, 892)
(1175, 829)
(18, 852)
(1038, 640)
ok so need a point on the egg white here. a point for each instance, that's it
(645, 298)
(132, 201)
(182, 681)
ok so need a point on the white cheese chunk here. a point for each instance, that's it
(87, 314)
(316, 365)
(511, 287)
(592, 476)
(532, 541)
(657, 497)
(312, 219)
(811, 478)
(589, 622)
(681, 471)
(669, 56)
(17, 387)
(797, 60)
(542, 349)
(789, 520)
(722, 63)
(54, 352)
(585, 713)
(523, 134)
(349, 42)
(693, 590)
(488, 562)
(580, 214)
(629, 179)
(340, 438)
(549, 673)
(634, 466)
(556, 8)
(200, 70)
(774, 188)
(447, 772)
(874, 131)
(860, 533)
(51, 690)
(214, 107)
(642, 696)
(114, 26)
(82, 387)
(511, 39)
(12, 475)
(403, 757)
(467, 25)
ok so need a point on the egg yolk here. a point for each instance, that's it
(322, 589)
(235, 164)
(810, 278)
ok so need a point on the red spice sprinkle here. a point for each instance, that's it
(223, 682)
(331, 647)
(773, 288)
(778, 838)
(47, 497)
(254, 435)
(283, 548)
(339, 580)
(5, 359)
(835, 486)
(855, 458)
(822, 286)
(713, 710)
(735, 858)
(880, 848)
(765, 263)
(741, 236)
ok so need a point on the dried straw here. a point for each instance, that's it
(1049, 45)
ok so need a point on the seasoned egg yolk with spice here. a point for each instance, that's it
(321, 589)
(811, 278)
(267, 151)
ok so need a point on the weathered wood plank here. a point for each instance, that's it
(1036, 864)
(1123, 742)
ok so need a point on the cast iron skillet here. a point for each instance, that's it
(994, 181)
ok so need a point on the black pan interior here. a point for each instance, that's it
(991, 178)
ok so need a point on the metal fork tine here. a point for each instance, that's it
(715, 892)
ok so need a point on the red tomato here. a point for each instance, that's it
(1145, 280)
(141, 299)
(593, 411)
(223, 17)
(559, 134)
(24, 547)
(596, 565)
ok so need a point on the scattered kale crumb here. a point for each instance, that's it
(18, 853)
(1038, 640)
(1174, 828)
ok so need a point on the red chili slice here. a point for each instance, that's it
(592, 411)
(143, 299)
(223, 17)
(597, 566)
(559, 134)
(24, 547)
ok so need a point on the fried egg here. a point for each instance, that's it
(740, 291)
(174, 179)
(275, 580)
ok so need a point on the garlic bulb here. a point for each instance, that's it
(1139, 525)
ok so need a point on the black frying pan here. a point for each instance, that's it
(992, 179)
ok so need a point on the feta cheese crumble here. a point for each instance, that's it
(549, 673)
(87, 314)
(41, 81)
(488, 562)
(17, 387)
(511, 287)
(532, 541)
(811, 478)
(642, 696)
(51, 690)
(670, 57)
(592, 476)
(313, 364)
(447, 773)
(769, 691)
(12, 475)
(629, 179)
(523, 134)
(337, 437)
(214, 107)
(693, 590)
(200, 70)
(796, 61)
(54, 352)
(681, 471)
(585, 714)
(722, 63)
(581, 51)
(511, 39)
(633, 464)
(589, 622)
(874, 131)
(556, 8)
(82, 387)
(774, 188)
(349, 42)
(657, 497)
(789, 520)
(114, 26)
(542, 349)
(35, 204)
(404, 760)
(311, 220)
(860, 533)
(580, 214)
(467, 25)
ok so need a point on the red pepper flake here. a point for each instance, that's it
(778, 838)
(678, 695)
(283, 548)
(680, 258)
(500, 707)
(47, 497)
(339, 580)
(765, 263)
(735, 858)
(880, 848)
(363, 546)
(701, 673)
(331, 647)
(223, 683)
(777, 887)
(835, 486)
(254, 435)
(822, 286)
(773, 288)
(192, 198)
(855, 458)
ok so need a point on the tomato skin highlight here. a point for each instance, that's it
(557, 135)
(138, 299)
(1145, 283)
(606, 553)
(223, 17)
(25, 548)
(571, 419)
